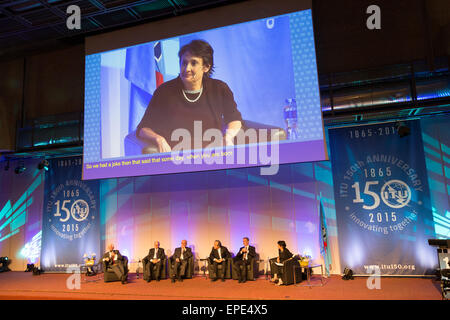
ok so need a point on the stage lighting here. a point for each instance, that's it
(4, 261)
(43, 165)
(20, 169)
(402, 129)
(348, 274)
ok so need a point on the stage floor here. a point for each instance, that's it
(21, 285)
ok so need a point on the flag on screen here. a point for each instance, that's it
(140, 72)
(324, 249)
(159, 63)
(146, 69)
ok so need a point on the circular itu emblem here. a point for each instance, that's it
(396, 194)
(79, 210)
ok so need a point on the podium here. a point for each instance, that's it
(443, 253)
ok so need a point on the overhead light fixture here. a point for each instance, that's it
(21, 168)
(44, 164)
(402, 129)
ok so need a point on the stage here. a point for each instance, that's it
(21, 285)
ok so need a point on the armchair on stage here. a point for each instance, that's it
(109, 274)
(252, 269)
(163, 272)
(287, 271)
(189, 268)
(137, 146)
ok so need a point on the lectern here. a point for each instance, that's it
(444, 264)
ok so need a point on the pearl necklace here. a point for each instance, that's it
(188, 91)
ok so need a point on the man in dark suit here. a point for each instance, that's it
(243, 259)
(180, 260)
(114, 260)
(155, 258)
(218, 256)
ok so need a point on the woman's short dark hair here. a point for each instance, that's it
(202, 49)
(282, 243)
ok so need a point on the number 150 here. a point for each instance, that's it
(375, 196)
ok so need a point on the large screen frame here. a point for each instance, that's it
(229, 158)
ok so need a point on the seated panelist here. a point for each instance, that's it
(218, 256)
(180, 260)
(276, 266)
(114, 260)
(243, 259)
(152, 263)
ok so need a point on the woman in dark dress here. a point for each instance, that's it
(283, 255)
(191, 97)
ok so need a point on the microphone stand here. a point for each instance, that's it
(137, 269)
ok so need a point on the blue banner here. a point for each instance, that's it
(70, 224)
(383, 210)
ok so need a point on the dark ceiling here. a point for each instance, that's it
(28, 26)
(25, 24)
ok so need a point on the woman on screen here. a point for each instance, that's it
(192, 96)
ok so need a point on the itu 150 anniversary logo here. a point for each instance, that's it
(71, 209)
(381, 193)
